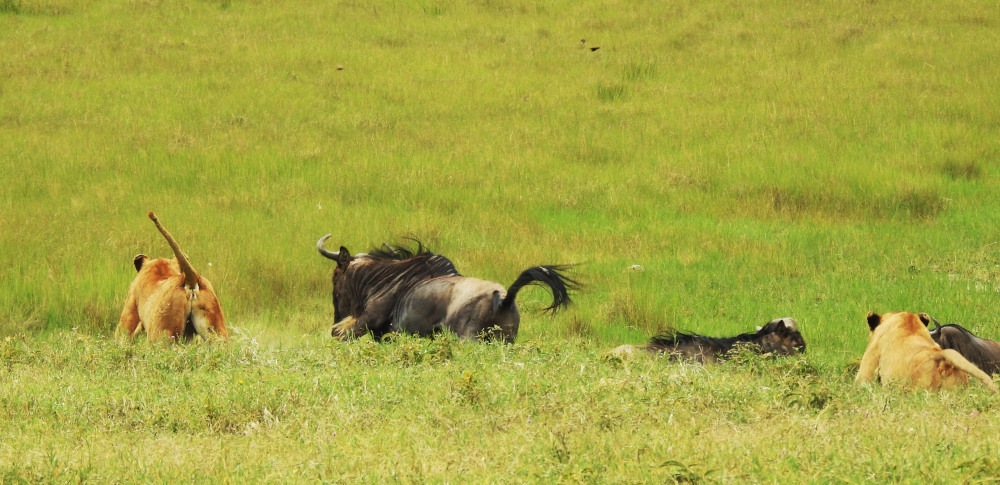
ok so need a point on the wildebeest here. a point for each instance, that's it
(984, 353)
(392, 289)
(780, 336)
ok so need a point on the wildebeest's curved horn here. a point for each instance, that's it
(937, 324)
(327, 254)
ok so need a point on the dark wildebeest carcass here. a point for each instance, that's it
(397, 290)
(984, 353)
(780, 336)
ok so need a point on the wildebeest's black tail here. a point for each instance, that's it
(551, 276)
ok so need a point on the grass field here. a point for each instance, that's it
(439, 411)
(758, 159)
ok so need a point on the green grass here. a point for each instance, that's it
(759, 160)
(317, 410)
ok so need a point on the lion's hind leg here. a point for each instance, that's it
(869, 366)
(129, 324)
(138, 328)
(206, 315)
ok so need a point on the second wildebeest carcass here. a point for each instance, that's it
(780, 336)
(393, 289)
(984, 353)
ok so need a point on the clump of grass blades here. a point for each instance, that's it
(639, 71)
(611, 92)
(10, 6)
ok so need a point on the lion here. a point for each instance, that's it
(900, 348)
(169, 299)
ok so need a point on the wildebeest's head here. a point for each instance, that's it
(344, 301)
(368, 286)
(780, 336)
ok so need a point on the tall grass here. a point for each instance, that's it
(416, 410)
(759, 160)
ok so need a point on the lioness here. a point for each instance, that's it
(900, 348)
(169, 299)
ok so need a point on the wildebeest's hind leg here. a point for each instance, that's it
(424, 309)
(476, 320)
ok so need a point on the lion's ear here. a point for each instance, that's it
(138, 261)
(924, 319)
(873, 320)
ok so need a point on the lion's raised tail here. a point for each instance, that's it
(957, 360)
(190, 276)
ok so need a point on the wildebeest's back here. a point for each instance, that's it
(688, 346)
(467, 306)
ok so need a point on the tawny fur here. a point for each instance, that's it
(169, 299)
(900, 349)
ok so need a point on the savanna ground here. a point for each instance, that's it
(757, 159)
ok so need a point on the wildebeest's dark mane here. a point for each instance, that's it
(391, 272)
(973, 348)
(377, 274)
(672, 339)
(398, 253)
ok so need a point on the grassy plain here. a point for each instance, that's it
(758, 159)
(417, 411)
